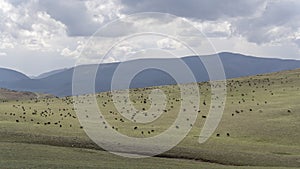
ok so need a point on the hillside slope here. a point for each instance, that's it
(8, 75)
(6, 95)
(47, 74)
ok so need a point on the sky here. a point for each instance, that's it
(37, 36)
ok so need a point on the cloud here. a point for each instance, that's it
(210, 29)
(259, 21)
(60, 29)
(168, 44)
(82, 18)
(118, 28)
(297, 42)
(25, 25)
(67, 52)
(3, 54)
(73, 14)
(279, 22)
(199, 9)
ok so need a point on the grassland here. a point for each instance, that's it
(260, 128)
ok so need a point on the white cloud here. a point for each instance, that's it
(215, 28)
(103, 11)
(278, 23)
(27, 26)
(3, 54)
(5, 6)
(168, 44)
(199, 9)
(6, 41)
(51, 27)
(82, 18)
(67, 52)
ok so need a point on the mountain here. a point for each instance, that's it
(8, 75)
(235, 65)
(44, 75)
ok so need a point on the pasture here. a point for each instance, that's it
(260, 128)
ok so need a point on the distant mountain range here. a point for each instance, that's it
(8, 75)
(59, 82)
(44, 75)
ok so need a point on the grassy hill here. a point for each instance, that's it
(6, 95)
(260, 128)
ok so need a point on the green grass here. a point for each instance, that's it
(20, 155)
(262, 116)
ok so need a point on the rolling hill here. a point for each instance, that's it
(46, 74)
(8, 75)
(8, 95)
(235, 65)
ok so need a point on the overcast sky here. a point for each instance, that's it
(41, 35)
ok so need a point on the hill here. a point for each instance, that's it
(260, 128)
(235, 65)
(6, 94)
(8, 75)
(46, 74)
